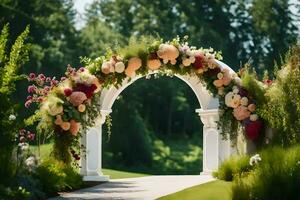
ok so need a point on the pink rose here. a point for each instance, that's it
(77, 98)
(241, 113)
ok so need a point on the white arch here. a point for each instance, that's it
(215, 150)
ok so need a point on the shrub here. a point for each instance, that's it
(234, 166)
(276, 177)
(55, 176)
(282, 108)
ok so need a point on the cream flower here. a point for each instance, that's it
(81, 108)
(54, 108)
(228, 98)
(220, 75)
(105, 68)
(119, 67)
(253, 117)
(244, 101)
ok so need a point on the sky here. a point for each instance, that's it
(80, 6)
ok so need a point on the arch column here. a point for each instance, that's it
(215, 149)
(91, 160)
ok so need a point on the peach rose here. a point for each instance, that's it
(153, 64)
(81, 108)
(98, 84)
(241, 113)
(74, 127)
(134, 63)
(252, 107)
(218, 83)
(58, 120)
(168, 52)
(65, 126)
(130, 72)
(77, 98)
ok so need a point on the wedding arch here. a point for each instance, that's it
(73, 110)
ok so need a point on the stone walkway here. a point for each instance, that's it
(144, 188)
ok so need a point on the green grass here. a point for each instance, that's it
(43, 152)
(216, 190)
(115, 174)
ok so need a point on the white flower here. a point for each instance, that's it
(238, 81)
(119, 67)
(30, 161)
(255, 159)
(228, 98)
(235, 90)
(221, 91)
(23, 146)
(12, 117)
(244, 101)
(253, 117)
(220, 75)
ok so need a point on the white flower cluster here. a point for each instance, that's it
(254, 160)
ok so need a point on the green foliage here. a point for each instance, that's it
(56, 176)
(11, 61)
(13, 193)
(254, 87)
(233, 167)
(282, 109)
(276, 177)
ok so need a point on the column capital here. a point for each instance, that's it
(209, 117)
(101, 119)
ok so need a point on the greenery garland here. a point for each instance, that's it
(66, 108)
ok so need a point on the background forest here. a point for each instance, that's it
(157, 115)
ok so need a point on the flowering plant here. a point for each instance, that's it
(68, 106)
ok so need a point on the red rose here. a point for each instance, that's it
(87, 90)
(198, 62)
(253, 129)
(68, 92)
(213, 72)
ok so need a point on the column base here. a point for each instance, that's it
(99, 178)
(206, 173)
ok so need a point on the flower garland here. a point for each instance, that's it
(67, 107)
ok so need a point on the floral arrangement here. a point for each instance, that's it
(68, 106)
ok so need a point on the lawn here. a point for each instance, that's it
(216, 190)
(115, 174)
(43, 152)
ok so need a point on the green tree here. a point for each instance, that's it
(10, 63)
(53, 35)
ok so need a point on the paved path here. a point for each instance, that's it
(144, 188)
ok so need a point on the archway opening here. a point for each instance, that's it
(155, 129)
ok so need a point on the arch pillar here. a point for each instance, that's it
(91, 159)
(215, 148)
